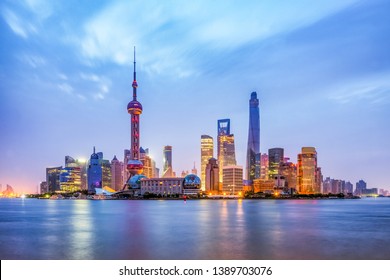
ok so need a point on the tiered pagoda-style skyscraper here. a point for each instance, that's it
(134, 108)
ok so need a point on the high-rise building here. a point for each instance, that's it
(167, 162)
(134, 108)
(194, 171)
(44, 188)
(289, 172)
(226, 148)
(148, 163)
(53, 178)
(307, 173)
(361, 186)
(348, 188)
(116, 174)
(94, 173)
(232, 179)
(275, 158)
(253, 148)
(206, 152)
(70, 177)
(212, 176)
(264, 166)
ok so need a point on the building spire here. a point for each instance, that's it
(135, 85)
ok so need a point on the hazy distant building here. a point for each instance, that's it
(206, 152)
(167, 162)
(232, 179)
(225, 148)
(348, 189)
(194, 170)
(53, 178)
(44, 188)
(253, 147)
(212, 176)
(116, 174)
(361, 186)
(275, 158)
(307, 172)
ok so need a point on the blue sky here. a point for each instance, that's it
(321, 71)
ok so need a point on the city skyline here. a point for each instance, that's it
(321, 74)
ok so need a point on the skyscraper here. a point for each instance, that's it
(206, 152)
(253, 148)
(226, 148)
(116, 174)
(167, 164)
(275, 158)
(70, 177)
(307, 173)
(134, 108)
(53, 178)
(94, 172)
(212, 176)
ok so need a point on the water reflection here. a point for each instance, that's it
(197, 229)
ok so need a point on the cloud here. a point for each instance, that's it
(171, 36)
(19, 26)
(34, 61)
(374, 90)
(65, 87)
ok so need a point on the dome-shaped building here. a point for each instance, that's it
(135, 181)
(191, 184)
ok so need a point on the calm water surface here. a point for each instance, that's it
(197, 229)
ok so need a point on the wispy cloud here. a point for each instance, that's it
(100, 84)
(18, 25)
(65, 87)
(373, 90)
(33, 60)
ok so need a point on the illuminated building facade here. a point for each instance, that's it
(71, 175)
(275, 158)
(264, 166)
(206, 153)
(212, 176)
(53, 179)
(167, 162)
(134, 108)
(149, 169)
(70, 179)
(289, 171)
(226, 149)
(253, 147)
(307, 172)
(116, 174)
(232, 179)
(162, 186)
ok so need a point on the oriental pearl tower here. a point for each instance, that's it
(134, 108)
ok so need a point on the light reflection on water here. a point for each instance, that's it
(196, 229)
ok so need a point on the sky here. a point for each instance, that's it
(321, 72)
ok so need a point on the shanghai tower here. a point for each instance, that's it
(253, 149)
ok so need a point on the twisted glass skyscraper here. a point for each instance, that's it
(253, 149)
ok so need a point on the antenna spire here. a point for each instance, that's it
(135, 85)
